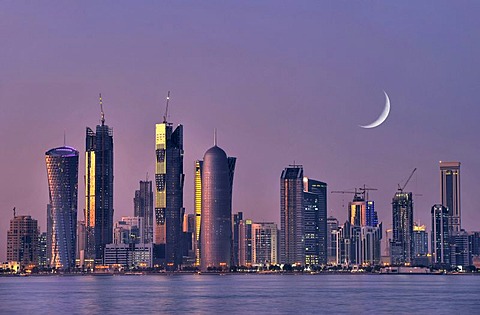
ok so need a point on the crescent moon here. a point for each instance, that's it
(383, 116)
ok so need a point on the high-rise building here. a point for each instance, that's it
(460, 252)
(474, 241)
(216, 213)
(237, 218)
(62, 173)
(420, 240)
(42, 250)
(81, 238)
(450, 193)
(169, 181)
(245, 243)
(292, 233)
(98, 189)
(143, 208)
(315, 221)
(440, 234)
(22, 240)
(332, 227)
(264, 243)
(401, 245)
(198, 209)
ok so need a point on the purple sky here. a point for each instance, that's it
(281, 81)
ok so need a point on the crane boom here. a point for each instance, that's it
(406, 183)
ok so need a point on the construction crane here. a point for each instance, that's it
(343, 192)
(365, 190)
(401, 188)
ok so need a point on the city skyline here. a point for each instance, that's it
(250, 86)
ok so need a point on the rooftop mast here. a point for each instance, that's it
(102, 114)
(166, 109)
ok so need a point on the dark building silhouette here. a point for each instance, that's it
(98, 190)
(143, 208)
(216, 215)
(62, 174)
(450, 193)
(315, 221)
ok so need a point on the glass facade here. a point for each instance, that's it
(98, 191)
(216, 218)
(169, 181)
(143, 207)
(292, 223)
(450, 189)
(62, 173)
(402, 221)
(440, 234)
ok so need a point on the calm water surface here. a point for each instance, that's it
(240, 294)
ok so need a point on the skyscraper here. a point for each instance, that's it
(245, 243)
(169, 180)
(315, 221)
(198, 209)
(62, 173)
(292, 233)
(440, 234)
(332, 227)
(237, 219)
(450, 193)
(216, 215)
(98, 189)
(420, 240)
(143, 207)
(401, 245)
(22, 240)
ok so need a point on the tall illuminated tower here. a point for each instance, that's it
(198, 209)
(98, 190)
(315, 221)
(169, 180)
(450, 190)
(23, 240)
(440, 236)
(62, 173)
(216, 215)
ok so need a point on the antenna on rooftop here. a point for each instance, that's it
(166, 108)
(64, 138)
(102, 114)
(215, 137)
(14, 212)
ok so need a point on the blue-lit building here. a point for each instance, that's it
(62, 173)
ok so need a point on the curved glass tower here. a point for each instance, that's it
(62, 173)
(216, 218)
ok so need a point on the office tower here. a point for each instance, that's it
(450, 190)
(62, 173)
(81, 238)
(348, 244)
(129, 255)
(362, 212)
(420, 240)
(245, 240)
(315, 221)
(332, 227)
(292, 233)
(198, 209)
(216, 215)
(401, 245)
(143, 207)
(460, 254)
(264, 244)
(237, 218)
(169, 180)
(42, 250)
(98, 189)
(129, 231)
(440, 234)
(22, 240)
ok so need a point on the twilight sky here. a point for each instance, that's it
(282, 81)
